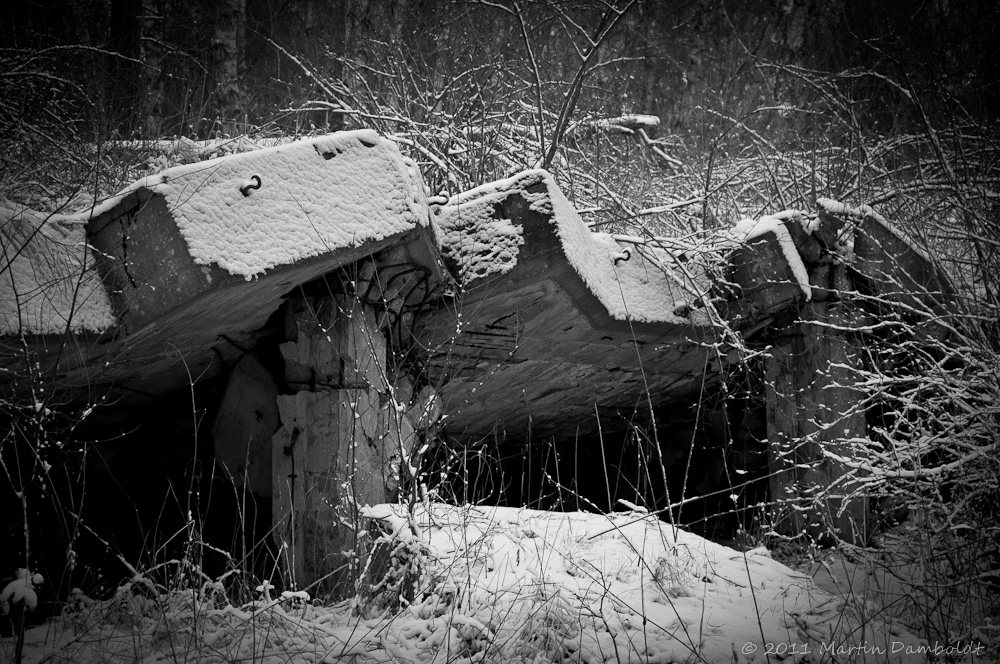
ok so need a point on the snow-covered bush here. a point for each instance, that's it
(20, 593)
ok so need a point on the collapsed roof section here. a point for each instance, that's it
(487, 230)
(887, 262)
(195, 259)
(777, 261)
(251, 212)
(555, 322)
(552, 319)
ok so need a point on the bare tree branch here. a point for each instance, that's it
(612, 16)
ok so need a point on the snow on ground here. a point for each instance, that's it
(252, 211)
(631, 285)
(48, 284)
(490, 584)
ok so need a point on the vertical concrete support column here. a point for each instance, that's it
(337, 444)
(812, 413)
(245, 425)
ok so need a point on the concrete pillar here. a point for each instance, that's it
(340, 439)
(244, 425)
(811, 407)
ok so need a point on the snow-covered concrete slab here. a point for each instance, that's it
(196, 227)
(250, 212)
(554, 318)
(780, 260)
(482, 240)
(48, 285)
(893, 265)
(766, 269)
(196, 258)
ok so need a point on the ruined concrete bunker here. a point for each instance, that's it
(346, 325)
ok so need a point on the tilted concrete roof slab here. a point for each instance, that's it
(196, 258)
(555, 322)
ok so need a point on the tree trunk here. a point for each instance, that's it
(123, 89)
(227, 49)
(151, 47)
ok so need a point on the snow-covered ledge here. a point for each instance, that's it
(50, 285)
(482, 243)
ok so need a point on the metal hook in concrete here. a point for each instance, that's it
(623, 256)
(245, 189)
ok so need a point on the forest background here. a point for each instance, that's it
(795, 74)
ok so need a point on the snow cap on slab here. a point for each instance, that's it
(836, 207)
(750, 229)
(470, 229)
(630, 284)
(49, 284)
(861, 211)
(867, 212)
(809, 222)
(253, 211)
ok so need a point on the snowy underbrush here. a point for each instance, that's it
(478, 584)
(935, 582)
